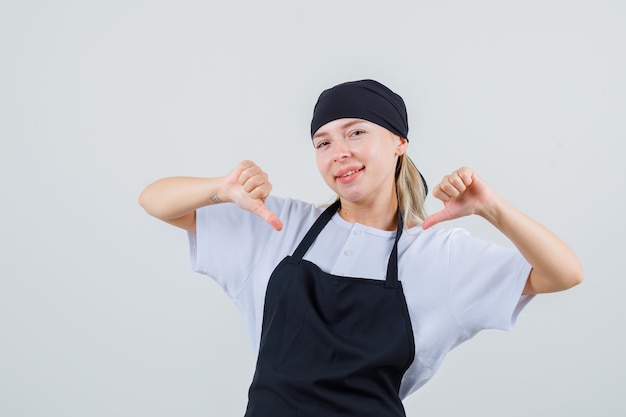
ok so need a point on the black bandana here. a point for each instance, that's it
(365, 99)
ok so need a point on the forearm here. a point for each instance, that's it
(173, 197)
(555, 265)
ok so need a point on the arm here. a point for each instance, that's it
(175, 199)
(555, 267)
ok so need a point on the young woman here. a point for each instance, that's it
(352, 307)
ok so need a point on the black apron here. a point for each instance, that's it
(331, 346)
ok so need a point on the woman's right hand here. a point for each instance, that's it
(248, 186)
(175, 199)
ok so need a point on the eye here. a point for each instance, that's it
(321, 144)
(357, 132)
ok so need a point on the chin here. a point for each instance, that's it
(351, 197)
(349, 194)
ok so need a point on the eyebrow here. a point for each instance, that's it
(343, 126)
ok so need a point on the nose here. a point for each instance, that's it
(342, 151)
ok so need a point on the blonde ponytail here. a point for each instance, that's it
(411, 192)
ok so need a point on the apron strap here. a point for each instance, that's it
(391, 281)
(392, 266)
(315, 230)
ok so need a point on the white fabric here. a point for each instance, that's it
(455, 285)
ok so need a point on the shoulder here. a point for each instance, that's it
(455, 245)
(434, 240)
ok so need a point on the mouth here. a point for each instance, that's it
(346, 175)
(352, 171)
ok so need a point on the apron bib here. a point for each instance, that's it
(331, 346)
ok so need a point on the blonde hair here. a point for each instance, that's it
(411, 192)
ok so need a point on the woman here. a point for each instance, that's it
(353, 307)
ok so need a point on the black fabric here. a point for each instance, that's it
(363, 99)
(331, 346)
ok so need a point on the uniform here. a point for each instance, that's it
(452, 285)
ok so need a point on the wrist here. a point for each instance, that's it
(495, 211)
(216, 191)
(215, 199)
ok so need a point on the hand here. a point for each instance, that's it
(248, 186)
(463, 193)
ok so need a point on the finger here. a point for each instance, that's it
(254, 182)
(455, 184)
(456, 181)
(466, 175)
(435, 218)
(449, 190)
(254, 178)
(248, 171)
(440, 194)
(261, 192)
(269, 217)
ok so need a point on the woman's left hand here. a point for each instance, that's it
(555, 267)
(463, 193)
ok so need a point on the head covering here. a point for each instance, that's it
(364, 99)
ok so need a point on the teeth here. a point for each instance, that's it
(350, 172)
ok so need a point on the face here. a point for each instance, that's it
(357, 159)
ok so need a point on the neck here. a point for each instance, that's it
(380, 215)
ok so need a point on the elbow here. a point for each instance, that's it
(142, 200)
(561, 280)
(146, 202)
(575, 277)
(572, 273)
(578, 273)
(578, 277)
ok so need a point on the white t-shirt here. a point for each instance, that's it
(454, 284)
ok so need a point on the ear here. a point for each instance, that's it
(403, 145)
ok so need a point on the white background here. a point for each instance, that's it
(100, 314)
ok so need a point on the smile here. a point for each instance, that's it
(351, 172)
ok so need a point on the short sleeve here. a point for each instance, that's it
(486, 283)
(228, 242)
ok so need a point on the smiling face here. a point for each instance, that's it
(357, 159)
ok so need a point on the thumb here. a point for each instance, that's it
(273, 220)
(435, 218)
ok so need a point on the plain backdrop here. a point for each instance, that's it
(100, 314)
